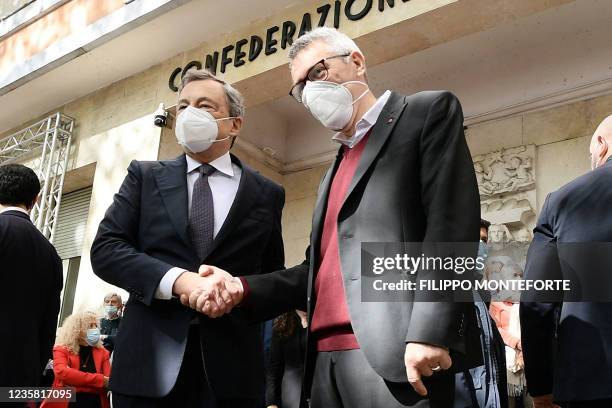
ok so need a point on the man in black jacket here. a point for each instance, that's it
(567, 346)
(403, 174)
(109, 324)
(167, 219)
(31, 278)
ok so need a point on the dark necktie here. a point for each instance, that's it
(202, 216)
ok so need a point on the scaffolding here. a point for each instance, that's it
(47, 145)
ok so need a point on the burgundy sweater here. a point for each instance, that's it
(331, 323)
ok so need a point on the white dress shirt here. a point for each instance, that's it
(366, 122)
(5, 209)
(224, 186)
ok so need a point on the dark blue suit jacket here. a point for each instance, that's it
(568, 345)
(31, 280)
(143, 235)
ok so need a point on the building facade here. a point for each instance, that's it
(534, 78)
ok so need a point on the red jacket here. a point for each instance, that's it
(66, 369)
(500, 312)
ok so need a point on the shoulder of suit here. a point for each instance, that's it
(148, 164)
(427, 98)
(24, 223)
(578, 186)
(145, 166)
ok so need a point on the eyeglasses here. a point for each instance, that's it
(318, 72)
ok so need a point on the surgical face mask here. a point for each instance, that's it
(331, 103)
(93, 336)
(196, 129)
(110, 310)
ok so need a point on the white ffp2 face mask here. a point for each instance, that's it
(331, 103)
(196, 129)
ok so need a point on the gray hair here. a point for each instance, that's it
(112, 295)
(338, 42)
(235, 100)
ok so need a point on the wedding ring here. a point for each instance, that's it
(436, 368)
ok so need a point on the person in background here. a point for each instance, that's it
(109, 325)
(31, 280)
(266, 334)
(286, 368)
(506, 317)
(568, 345)
(168, 218)
(484, 386)
(80, 360)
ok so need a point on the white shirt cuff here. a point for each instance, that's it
(164, 290)
(239, 281)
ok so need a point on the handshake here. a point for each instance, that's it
(212, 291)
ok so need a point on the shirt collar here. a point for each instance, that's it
(14, 209)
(365, 123)
(222, 164)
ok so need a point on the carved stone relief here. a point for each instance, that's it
(505, 171)
(506, 182)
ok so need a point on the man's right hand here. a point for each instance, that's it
(233, 289)
(195, 291)
(213, 291)
(423, 359)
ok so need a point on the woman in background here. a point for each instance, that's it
(80, 361)
(506, 317)
(286, 367)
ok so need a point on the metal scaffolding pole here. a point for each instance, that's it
(48, 143)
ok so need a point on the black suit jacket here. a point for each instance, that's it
(568, 345)
(31, 279)
(415, 182)
(143, 235)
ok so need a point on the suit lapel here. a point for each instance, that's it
(318, 216)
(379, 134)
(248, 191)
(171, 178)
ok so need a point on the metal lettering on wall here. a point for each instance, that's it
(282, 36)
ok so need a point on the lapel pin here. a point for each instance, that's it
(390, 120)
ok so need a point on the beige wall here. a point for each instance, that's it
(300, 195)
(112, 151)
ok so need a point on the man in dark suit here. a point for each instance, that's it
(31, 278)
(403, 174)
(168, 218)
(567, 346)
